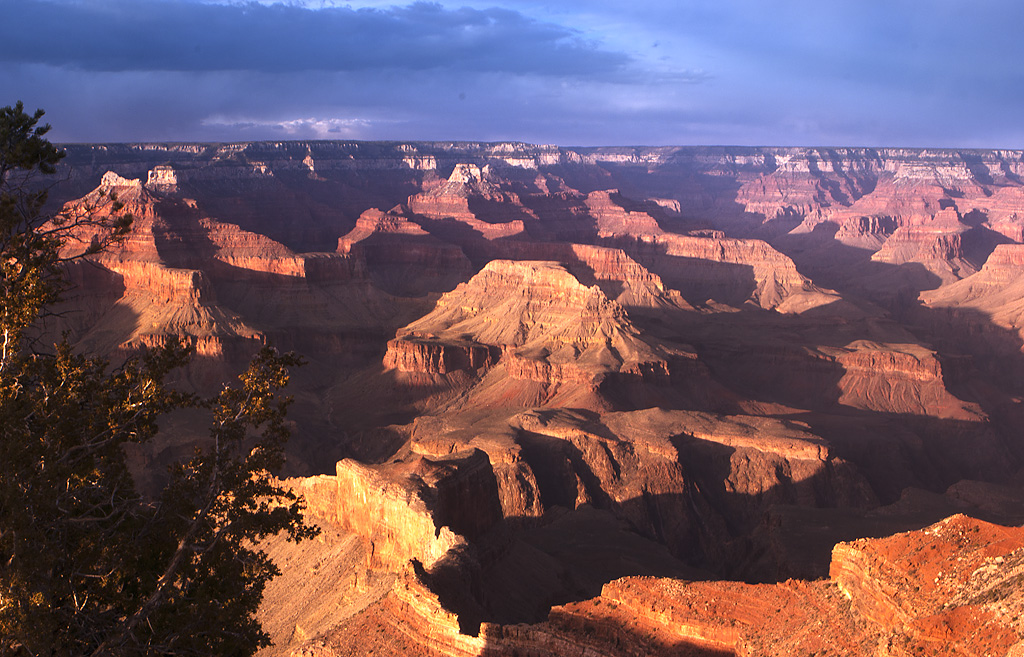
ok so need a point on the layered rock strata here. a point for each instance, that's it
(881, 599)
(554, 368)
(534, 319)
(467, 186)
(401, 257)
(946, 590)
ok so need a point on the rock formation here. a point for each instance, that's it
(947, 589)
(402, 257)
(532, 334)
(568, 401)
(467, 186)
(995, 291)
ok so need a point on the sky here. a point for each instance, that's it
(922, 73)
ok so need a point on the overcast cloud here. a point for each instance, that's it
(176, 35)
(581, 72)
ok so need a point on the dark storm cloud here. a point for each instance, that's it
(785, 72)
(176, 35)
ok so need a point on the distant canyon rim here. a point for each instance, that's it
(600, 401)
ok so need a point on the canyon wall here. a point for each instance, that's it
(547, 385)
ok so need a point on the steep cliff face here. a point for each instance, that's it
(405, 518)
(547, 369)
(179, 273)
(620, 277)
(150, 298)
(948, 589)
(616, 215)
(990, 297)
(468, 188)
(981, 315)
(432, 357)
(858, 362)
(404, 513)
(944, 590)
(738, 264)
(537, 322)
(615, 272)
(233, 215)
(883, 598)
(898, 379)
(696, 483)
(936, 244)
(403, 258)
(418, 510)
(702, 268)
(909, 185)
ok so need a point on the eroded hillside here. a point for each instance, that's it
(554, 396)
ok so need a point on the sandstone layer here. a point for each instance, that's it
(947, 589)
(553, 394)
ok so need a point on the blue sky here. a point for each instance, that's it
(576, 72)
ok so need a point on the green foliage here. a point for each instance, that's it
(22, 145)
(30, 240)
(87, 565)
(30, 254)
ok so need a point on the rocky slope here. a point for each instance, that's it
(947, 589)
(534, 323)
(546, 384)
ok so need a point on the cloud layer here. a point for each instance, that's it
(175, 35)
(579, 72)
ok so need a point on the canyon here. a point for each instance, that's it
(599, 401)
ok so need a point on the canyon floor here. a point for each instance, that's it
(600, 401)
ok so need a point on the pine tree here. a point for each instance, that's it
(88, 566)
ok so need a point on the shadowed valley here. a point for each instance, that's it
(601, 401)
